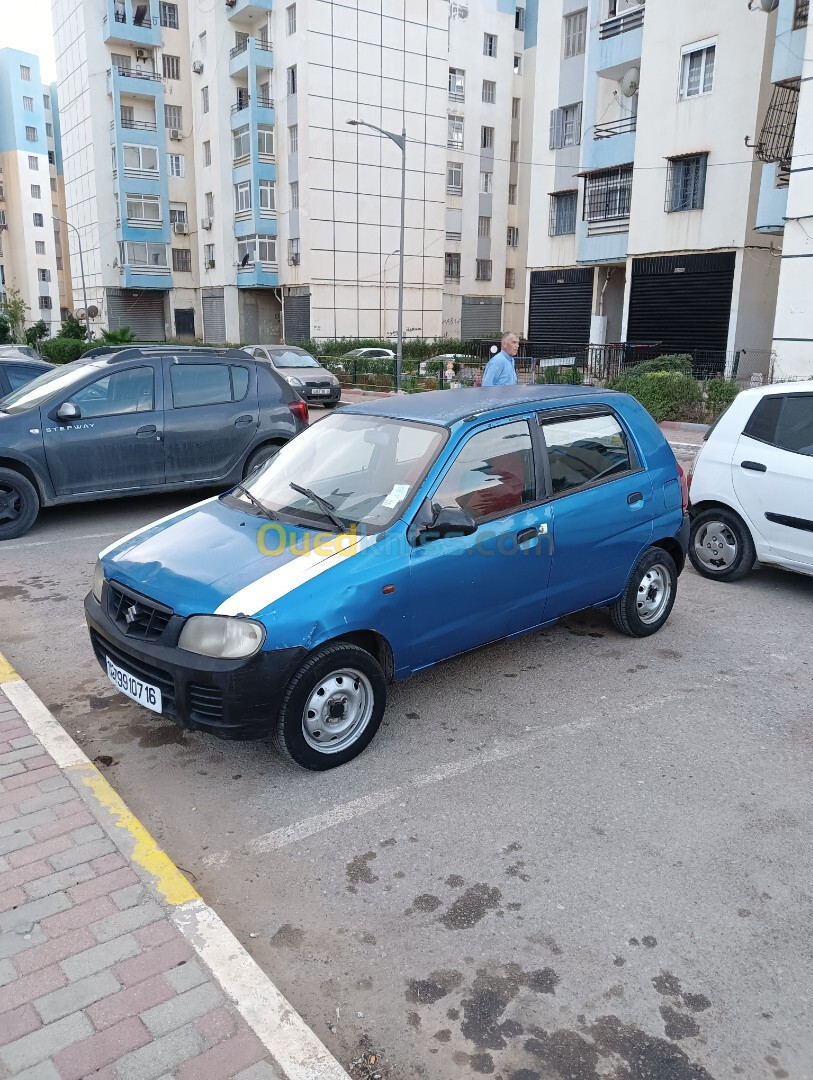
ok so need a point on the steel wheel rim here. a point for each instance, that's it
(654, 593)
(716, 546)
(338, 711)
(11, 504)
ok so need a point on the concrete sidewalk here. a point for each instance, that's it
(111, 965)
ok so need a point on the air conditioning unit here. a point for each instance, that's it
(197, 67)
(209, 264)
(175, 135)
(206, 223)
(142, 54)
(180, 228)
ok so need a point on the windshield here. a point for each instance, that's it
(290, 359)
(19, 350)
(366, 467)
(40, 389)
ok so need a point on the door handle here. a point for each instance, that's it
(148, 429)
(754, 466)
(524, 535)
(243, 420)
(635, 497)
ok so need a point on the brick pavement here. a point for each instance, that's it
(96, 980)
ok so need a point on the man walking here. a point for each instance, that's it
(500, 368)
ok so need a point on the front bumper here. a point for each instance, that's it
(232, 699)
(312, 398)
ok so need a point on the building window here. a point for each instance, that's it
(455, 137)
(454, 178)
(208, 256)
(483, 270)
(489, 91)
(295, 195)
(562, 213)
(241, 142)
(53, 183)
(39, 246)
(293, 250)
(242, 196)
(120, 61)
(44, 275)
(209, 203)
(31, 134)
(173, 117)
(202, 43)
(452, 266)
(45, 303)
(257, 248)
(265, 141)
(517, 63)
(510, 277)
(178, 214)
(144, 208)
(46, 101)
(172, 66)
(513, 236)
(697, 70)
(291, 19)
(515, 108)
(489, 44)
(204, 99)
(28, 104)
(33, 163)
(38, 221)
(264, 96)
(182, 260)
(268, 195)
(486, 183)
(608, 194)
(51, 157)
(514, 151)
(168, 15)
(49, 131)
(484, 226)
(140, 159)
(575, 33)
(565, 126)
(207, 153)
(457, 84)
(293, 139)
(36, 191)
(512, 194)
(292, 81)
(486, 138)
(686, 183)
(519, 19)
(25, 73)
(800, 14)
(176, 164)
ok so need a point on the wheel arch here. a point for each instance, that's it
(373, 643)
(670, 545)
(15, 465)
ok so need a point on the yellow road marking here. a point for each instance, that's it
(7, 672)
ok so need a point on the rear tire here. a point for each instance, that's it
(332, 707)
(720, 545)
(259, 457)
(19, 504)
(649, 595)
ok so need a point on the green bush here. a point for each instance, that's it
(674, 362)
(72, 328)
(666, 395)
(567, 374)
(61, 350)
(414, 348)
(719, 395)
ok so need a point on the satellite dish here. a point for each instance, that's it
(79, 313)
(630, 82)
(93, 311)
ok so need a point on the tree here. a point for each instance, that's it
(15, 308)
(123, 336)
(5, 329)
(72, 328)
(36, 333)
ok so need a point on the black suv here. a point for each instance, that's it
(138, 420)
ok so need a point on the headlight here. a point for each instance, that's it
(293, 381)
(98, 581)
(221, 636)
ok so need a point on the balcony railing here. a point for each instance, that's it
(264, 46)
(239, 105)
(620, 24)
(241, 47)
(615, 127)
(134, 73)
(135, 125)
(264, 102)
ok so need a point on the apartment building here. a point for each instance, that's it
(33, 244)
(643, 220)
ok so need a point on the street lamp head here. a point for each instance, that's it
(355, 123)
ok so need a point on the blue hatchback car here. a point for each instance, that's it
(387, 537)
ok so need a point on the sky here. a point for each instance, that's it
(26, 25)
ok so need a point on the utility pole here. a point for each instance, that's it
(88, 334)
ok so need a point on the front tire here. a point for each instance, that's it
(649, 595)
(19, 504)
(721, 546)
(332, 707)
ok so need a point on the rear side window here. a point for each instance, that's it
(762, 424)
(584, 450)
(492, 474)
(784, 421)
(207, 384)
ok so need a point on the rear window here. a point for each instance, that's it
(784, 421)
(207, 384)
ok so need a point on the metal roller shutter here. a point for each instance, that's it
(214, 316)
(561, 302)
(297, 315)
(480, 317)
(682, 301)
(142, 310)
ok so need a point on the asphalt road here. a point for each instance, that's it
(574, 856)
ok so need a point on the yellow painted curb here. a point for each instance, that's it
(7, 672)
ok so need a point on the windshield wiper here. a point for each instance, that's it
(327, 507)
(256, 502)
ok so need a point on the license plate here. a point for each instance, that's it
(325, 392)
(144, 693)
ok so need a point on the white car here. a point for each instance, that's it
(751, 485)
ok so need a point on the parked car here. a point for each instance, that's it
(370, 354)
(18, 351)
(137, 420)
(435, 364)
(17, 370)
(389, 536)
(302, 371)
(752, 485)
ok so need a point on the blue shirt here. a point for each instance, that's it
(500, 371)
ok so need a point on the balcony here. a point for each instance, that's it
(615, 127)
(251, 55)
(631, 19)
(128, 23)
(135, 82)
(145, 277)
(258, 275)
(247, 9)
(620, 40)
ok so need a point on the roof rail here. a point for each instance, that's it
(172, 350)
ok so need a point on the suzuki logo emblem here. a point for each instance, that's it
(131, 614)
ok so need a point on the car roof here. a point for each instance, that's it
(803, 386)
(447, 407)
(114, 352)
(24, 359)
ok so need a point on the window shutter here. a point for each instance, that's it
(577, 125)
(556, 128)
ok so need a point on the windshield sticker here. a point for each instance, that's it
(396, 496)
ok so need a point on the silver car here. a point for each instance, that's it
(304, 373)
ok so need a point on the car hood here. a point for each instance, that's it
(215, 558)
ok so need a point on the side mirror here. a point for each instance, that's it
(449, 521)
(68, 411)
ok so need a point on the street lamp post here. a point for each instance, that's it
(88, 334)
(400, 142)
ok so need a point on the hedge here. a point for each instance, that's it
(64, 350)
(719, 395)
(414, 348)
(666, 395)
